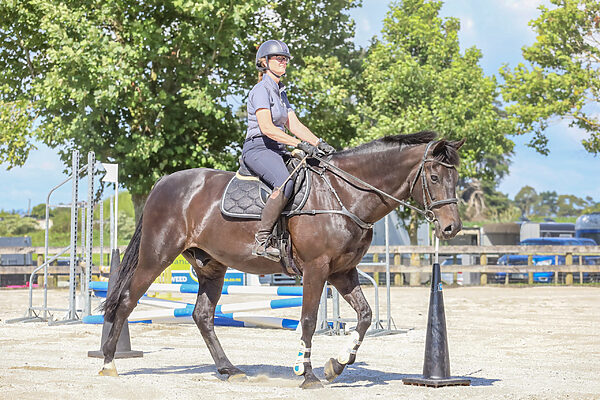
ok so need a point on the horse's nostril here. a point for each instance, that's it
(448, 229)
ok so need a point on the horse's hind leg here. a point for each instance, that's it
(210, 284)
(348, 286)
(148, 268)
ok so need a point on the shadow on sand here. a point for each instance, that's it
(356, 375)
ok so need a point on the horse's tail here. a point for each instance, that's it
(123, 274)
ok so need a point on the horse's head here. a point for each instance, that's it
(433, 185)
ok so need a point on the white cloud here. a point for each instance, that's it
(467, 25)
(573, 134)
(364, 25)
(523, 8)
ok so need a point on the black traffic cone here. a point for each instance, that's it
(124, 342)
(436, 367)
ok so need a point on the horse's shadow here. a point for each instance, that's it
(355, 375)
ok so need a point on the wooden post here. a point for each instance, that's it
(569, 276)
(530, 274)
(483, 279)
(399, 279)
(483, 259)
(415, 277)
(376, 277)
(569, 279)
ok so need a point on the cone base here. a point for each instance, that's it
(440, 382)
(118, 354)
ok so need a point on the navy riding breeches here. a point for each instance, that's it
(264, 157)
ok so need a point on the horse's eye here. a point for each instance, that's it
(434, 178)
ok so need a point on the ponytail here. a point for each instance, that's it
(263, 63)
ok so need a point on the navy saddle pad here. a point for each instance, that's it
(245, 195)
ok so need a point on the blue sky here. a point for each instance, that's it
(499, 28)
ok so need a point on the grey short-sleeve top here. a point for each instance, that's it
(267, 94)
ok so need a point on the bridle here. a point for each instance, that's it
(428, 206)
(426, 212)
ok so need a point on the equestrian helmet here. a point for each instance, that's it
(271, 48)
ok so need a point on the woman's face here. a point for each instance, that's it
(278, 64)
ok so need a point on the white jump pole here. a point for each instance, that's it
(112, 176)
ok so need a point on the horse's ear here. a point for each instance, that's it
(458, 144)
(440, 148)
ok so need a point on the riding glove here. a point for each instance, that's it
(325, 147)
(308, 148)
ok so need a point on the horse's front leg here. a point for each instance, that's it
(348, 286)
(313, 282)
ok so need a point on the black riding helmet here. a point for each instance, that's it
(271, 48)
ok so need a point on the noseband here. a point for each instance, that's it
(428, 206)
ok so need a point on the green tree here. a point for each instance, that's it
(547, 204)
(149, 84)
(526, 200)
(570, 205)
(15, 225)
(16, 129)
(563, 78)
(416, 78)
(591, 206)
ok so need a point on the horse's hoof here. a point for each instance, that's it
(311, 384)
(332, 369)
(109, 370)
(237, 378)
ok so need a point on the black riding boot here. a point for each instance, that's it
(268, 218)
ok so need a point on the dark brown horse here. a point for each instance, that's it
(182, 216)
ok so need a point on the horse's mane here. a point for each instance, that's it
(450, 155)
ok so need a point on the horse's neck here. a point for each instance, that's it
(388, 171)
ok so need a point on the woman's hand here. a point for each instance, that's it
(325, 147)
(308, 148)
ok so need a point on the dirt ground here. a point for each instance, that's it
(513, 343)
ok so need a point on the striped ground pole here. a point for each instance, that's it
(230, 319)
(230, 311)
(100, 287)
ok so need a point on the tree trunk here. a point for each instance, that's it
(413, 226)
(139, 200)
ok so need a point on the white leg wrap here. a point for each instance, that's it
(301, 359)
(110, 365)
(351, 346)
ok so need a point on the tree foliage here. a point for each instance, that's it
(15, 225)
(149, 85)
(563, 78)
(551, 204)
(416, 78)
(526, 199)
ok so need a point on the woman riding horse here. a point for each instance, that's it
(269, 113)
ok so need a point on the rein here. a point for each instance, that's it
(427, 212)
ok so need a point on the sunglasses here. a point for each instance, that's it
(281, 59)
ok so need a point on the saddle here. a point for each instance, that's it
(245, 197)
